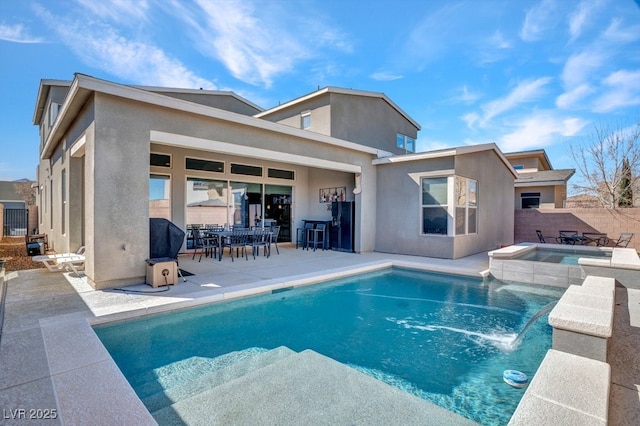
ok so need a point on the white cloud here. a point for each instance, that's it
(539, 131)
(580, 17)
(622, 90)
(18, 34)
(580, 67)
(574, 97)
(101, 46)
(523, 93)
(385, 76)
(616, 33)
(471, 119)
(116, 10)
(258, 42)
(538, 20)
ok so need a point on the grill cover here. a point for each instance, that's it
(165, 239)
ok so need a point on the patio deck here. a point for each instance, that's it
(50, 358)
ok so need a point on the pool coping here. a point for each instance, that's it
(77, 359)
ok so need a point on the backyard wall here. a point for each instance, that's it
(609, 221)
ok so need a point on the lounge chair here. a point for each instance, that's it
(63, 261)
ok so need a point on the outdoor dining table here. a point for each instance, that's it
(219, 235)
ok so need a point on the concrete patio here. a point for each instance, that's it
(50, 359)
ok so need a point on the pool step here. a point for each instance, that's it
(305, 388)
(187, 378)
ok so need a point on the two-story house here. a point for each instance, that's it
(112, 156)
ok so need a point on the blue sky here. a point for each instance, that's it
(523, 74)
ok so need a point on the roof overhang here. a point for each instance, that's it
(541, 154)
(43, 95)
(84, 86)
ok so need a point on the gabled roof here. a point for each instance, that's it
(43, 95)
(234, 95)
(342, 91)
(83, 86)
(544, 177)
(541, 154)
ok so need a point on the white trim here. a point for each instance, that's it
(414, 157)
(189, 142)
(436, 173)
(77, 149)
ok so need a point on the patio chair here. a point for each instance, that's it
(542, 238)
(275, 232)
(239, 240)
(60, 261)
(567, 237)
(624, 240)
(261, 238)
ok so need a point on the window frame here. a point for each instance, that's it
(170, 166)
(451, 207)
(187, 158)
(305, 120)
(405, 143)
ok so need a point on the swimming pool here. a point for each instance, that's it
(443, 338)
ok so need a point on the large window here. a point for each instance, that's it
(160, 196)
(207, 202)
(442, 215)
(435, 216)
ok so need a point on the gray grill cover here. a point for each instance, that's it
(165, 239)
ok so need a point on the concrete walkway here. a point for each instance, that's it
(50, 359)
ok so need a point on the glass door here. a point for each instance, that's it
(277, 209)
(247, 204)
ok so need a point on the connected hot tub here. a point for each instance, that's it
(547, 264)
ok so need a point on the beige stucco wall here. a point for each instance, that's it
(398, 221)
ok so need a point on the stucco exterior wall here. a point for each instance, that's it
(398, 221)
(369, 121)
(495, 215)
(398, 224)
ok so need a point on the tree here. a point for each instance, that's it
(626, 192)
(601, 163)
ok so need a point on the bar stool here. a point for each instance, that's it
(301, 235)
(318, 236)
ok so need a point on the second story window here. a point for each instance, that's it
(305, 120)
(54, 108)
(405, 142)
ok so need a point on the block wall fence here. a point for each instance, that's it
(612, 222)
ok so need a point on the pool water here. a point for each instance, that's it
(443, 338)
(566, 257)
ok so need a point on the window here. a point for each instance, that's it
(281, 174)
(405, 142)
(243, 169)
(443, 216)
(204, 165)
(160, 160)
(435, 216)
(518, 167)
(54, 108)
(466, 193)
(530, 200)
(305, 120)
(206, 202)
(160, 196)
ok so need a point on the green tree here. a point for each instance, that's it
(626, 192)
